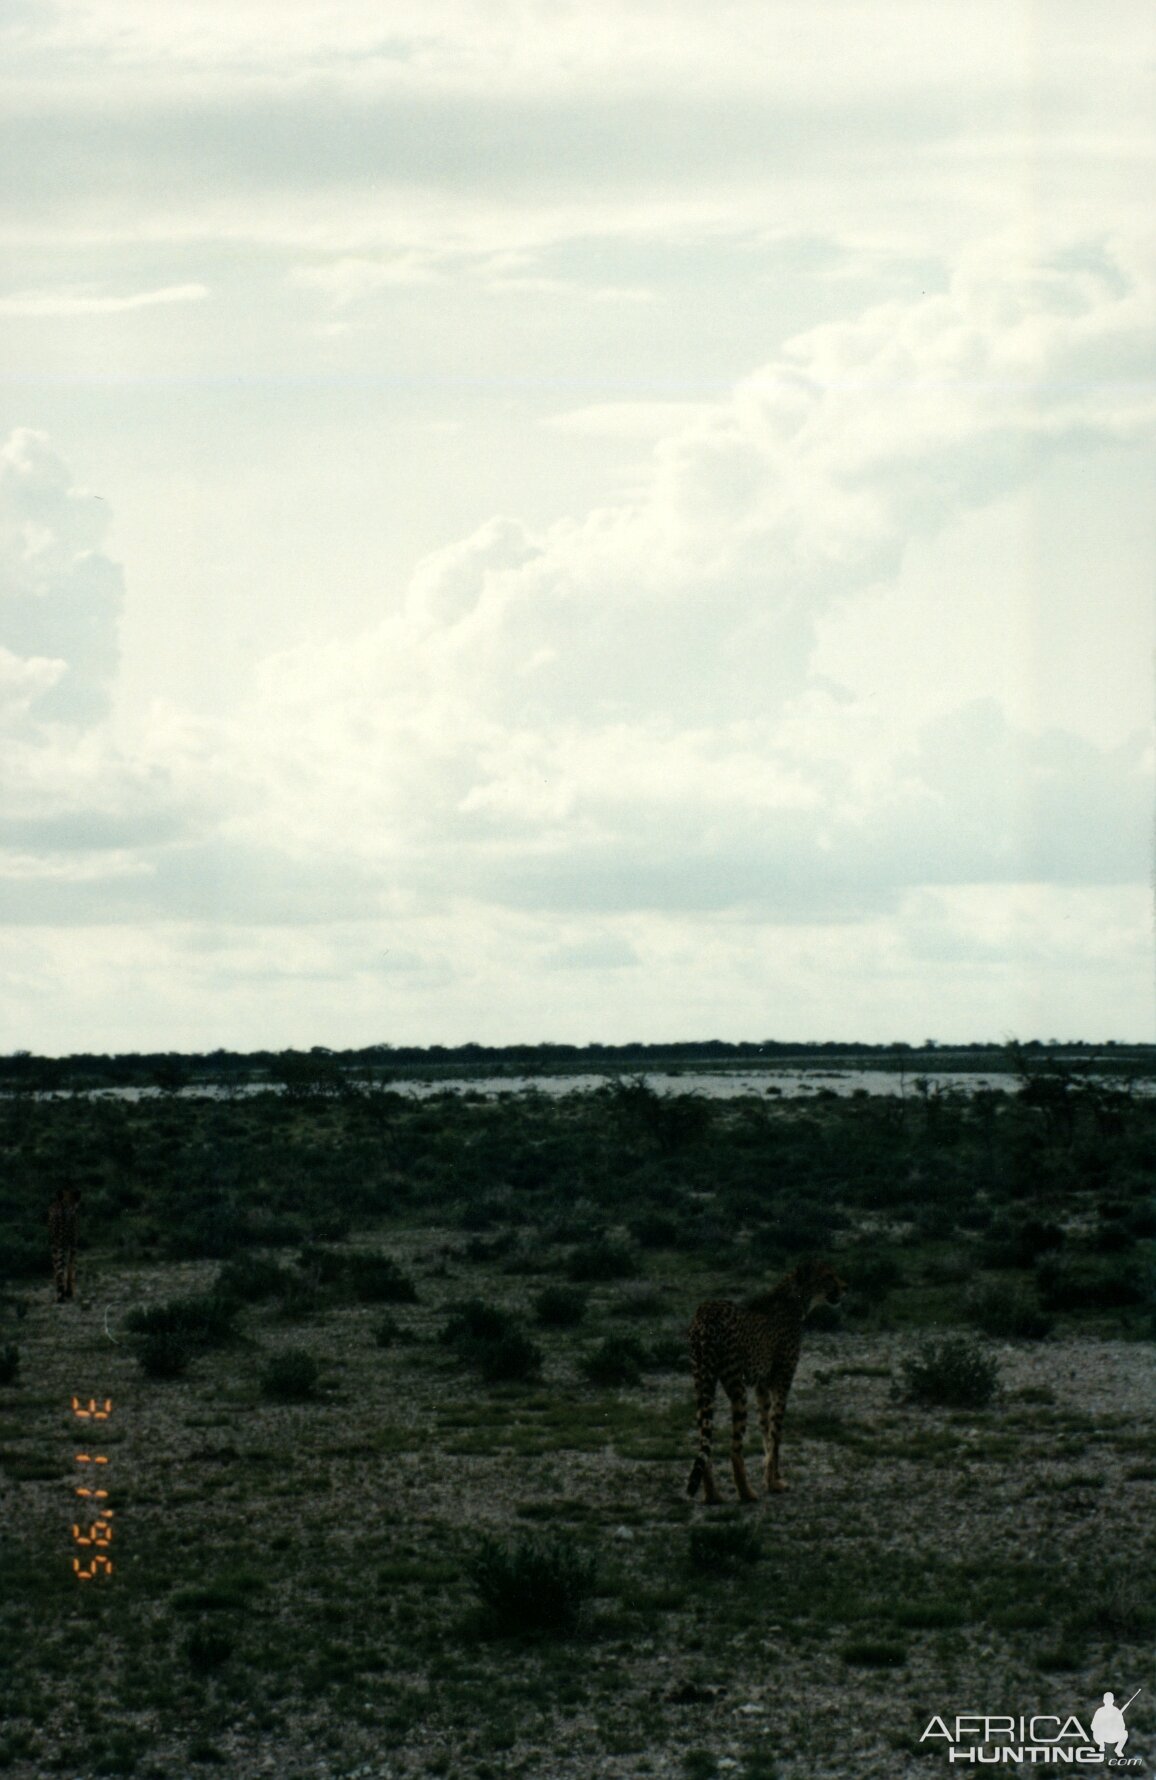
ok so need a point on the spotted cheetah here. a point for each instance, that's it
(62, 1241)
(758, 1345)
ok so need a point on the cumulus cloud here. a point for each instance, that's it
(60, 595)
(609, 712)
(617, 715)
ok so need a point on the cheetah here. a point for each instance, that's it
(62, 1241)
(758, 1345)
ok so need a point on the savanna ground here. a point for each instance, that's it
(401, 1426)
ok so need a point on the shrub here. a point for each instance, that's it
(641, 1300)
(9, 1363)
(299, 1299)
(951, 1374)
(1071, 1282)
(201, 1322)
(22, 1256)
(1021, 1244)
(321, 1266)
(483, 1214)
(601, 1260)
(389, 1332)
(801, 1225)
(1142, 1221)
(873, 1273)
(165, 1354)
(655, 1229)
(1008, 1313)
(511, 1358)
(206, 1649)
(560, 1307)
(490, 1248)
(291, 1377)
(619, 1360)
(532, 1588)
(475, 1320)
(377, 1279)
(488, 1337)
(725, 1548)
(871, 1653)
(249, 1278)
(668, 1353)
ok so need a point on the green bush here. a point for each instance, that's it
(1084, 1282)
(9, 1363)
(560, 1307)
(874, 1653)
(23, 1256)
(723, 1547)
(200, 1321)
(509, 1359)
(247, 1279)
(873, 1273)
(291, 1377)
(367, 1274)
(377, 1279)
(1019, 1244)
(475, 1320)
(655, 1229)
(642, 1300)
(166, 1354)
(951, 1374)
(1009, 1313)
(668, 1354)
(489, 1338)
(207, 1648)
(532, 1588)
(601, 1260)
(300, 1299)
(617, 1361)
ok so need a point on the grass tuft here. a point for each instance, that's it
(534, 1587)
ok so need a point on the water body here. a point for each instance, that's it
(722, 1084)
(787, 1084)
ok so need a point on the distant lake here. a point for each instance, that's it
(721, 1084)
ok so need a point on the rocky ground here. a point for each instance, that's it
(291, 1593)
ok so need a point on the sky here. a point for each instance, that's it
(576, 522)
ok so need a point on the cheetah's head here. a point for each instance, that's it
(819, 1283)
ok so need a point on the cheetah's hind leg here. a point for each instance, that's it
(702, 1471)
(772, 1408)
(738, 1397)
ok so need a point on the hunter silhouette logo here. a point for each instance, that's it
(1108, 1725)
(992, 1739)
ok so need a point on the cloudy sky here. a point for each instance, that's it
(616, 519)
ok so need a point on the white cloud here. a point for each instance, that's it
(71, 300)
(611, 712)
(60, 596)
(601, 748)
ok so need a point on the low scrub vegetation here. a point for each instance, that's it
(413, 1413)
(952, 1374)
(532, 1587)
